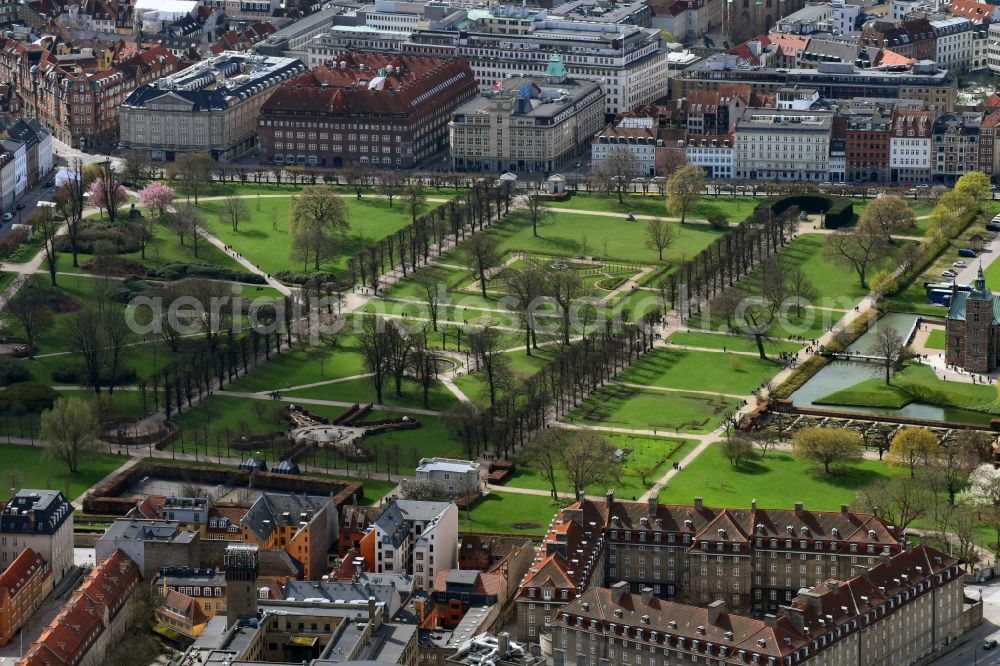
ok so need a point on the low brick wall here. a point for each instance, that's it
(786, 406)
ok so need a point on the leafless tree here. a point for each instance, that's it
(889, 350)
(30, 307)
(486, 345)
(660, 235)
(376, 349)
(234, 211)
(859, 249)
(897, 500)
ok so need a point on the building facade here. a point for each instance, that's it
(902, 611)
(151, 544)
(304, 526)
(527, 125)
(416, 537)
(457, 477)
(41, 520)
(23, 587)
(783, 145)
(379, 110)
(910, 146)
(211, 107)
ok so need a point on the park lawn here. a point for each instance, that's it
(651, 454)
(6, 277)
(522, 366)
(297, 367)
(613, 238)
(775, 481)
(737, 343)
(836, 286)
(82, 290)
(361, 390)
(918, 383)
(28, 467)
(270, 247)
(620, 406)
(403, 449)
(935, 340)
(510, 513)
(701, 371)
(734, 209)
(452, 278)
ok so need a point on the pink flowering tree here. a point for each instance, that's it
(156, 197)
(108, 195)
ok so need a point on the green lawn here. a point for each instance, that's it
(836, 286)
(269, 247)
(935, 340)
(734, 209)
(27, 467)
(916, 383)
(728, 342)
(297, 367)
(619, 406)
(569, 234)
(652, 455)
(510, 513)
(701, 371)
(775, 481)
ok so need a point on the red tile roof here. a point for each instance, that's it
(20, 571)
(184, 608)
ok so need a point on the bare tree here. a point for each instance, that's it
(660, 235)
(234, 211)
(800, 288)
(70, 431)
(482, 255)
(684, 188)
(486, 345)
(430, 280)
(587, 457)
(736, 449)
(897, 500)
(889, 351)
(564, 287)
(194, 171)
(86, 337)
(30, 307)
(424, 362)
(618, 169)
(534, 204)
(319, 217)
(376, 349)
(544, 453)
(389, 184)
(858, 249)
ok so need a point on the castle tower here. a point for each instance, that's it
(241, 564)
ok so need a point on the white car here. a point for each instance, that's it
(949, 273)
(7, 217)
(959, 264)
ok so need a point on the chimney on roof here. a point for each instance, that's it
(844, 509)
(652, 503)
(371, 609)
(503, 644)
(618, 591)
(799, 506)
(814, 600)
(609, 499)
(698, 503)
(715, 609)
(795, 615)
(647, 595)
(770, 619)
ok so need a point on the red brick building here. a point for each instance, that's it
(866, 154)
(23, 587)
(373, 109)
(79, 104)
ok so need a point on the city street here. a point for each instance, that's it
(971, 652)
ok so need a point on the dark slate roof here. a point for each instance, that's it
(35, 512)
(273, 507)
(286, 467)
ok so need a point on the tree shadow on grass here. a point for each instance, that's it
(846, 476)
(254, 234)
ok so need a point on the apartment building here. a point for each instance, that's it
(41, 520)
(910, 146)
(206, 586)
(38, 141)
(416, 537)
(955, 145)
(628, 62)
(921, 81)
(953, 43)
(757, 558)
(24, 585)
(776, 144)
(902, 611)
(376, 109)
(79, 104)
(911, 38)
(867, 144)
(211, 107)
(527, 125)
(714, 154)
(91, 621)
(304, 526)
(630, 134)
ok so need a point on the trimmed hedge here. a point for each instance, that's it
(177, 271)
(839, 210)
(32, 397)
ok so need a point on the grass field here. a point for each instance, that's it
(569, 234)
(361, 390)
(916, 383)
(775, 481)
(935, 340)
(721, 342)
(619, 406)
(269, 245)
(700, 371)
(28, 467)
(650, 454)
(734, 209)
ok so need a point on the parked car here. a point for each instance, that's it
(7, 217)
(990, 644)
(993, 226)
(949, 273)
(967, 252)
(959, 264)
(20, 206)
